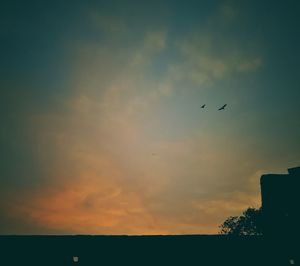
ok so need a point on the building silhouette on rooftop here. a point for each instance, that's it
(280, 204)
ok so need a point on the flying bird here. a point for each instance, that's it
(203, 106)
(223, 107)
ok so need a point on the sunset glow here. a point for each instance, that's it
(102, 130)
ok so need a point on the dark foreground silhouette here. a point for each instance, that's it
(277, 244)
(281, 204)
(249, 223)
(146, 250)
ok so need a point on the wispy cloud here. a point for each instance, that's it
(204, 62)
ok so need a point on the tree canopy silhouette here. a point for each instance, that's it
(249, 223)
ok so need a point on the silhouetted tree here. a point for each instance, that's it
(249, 223)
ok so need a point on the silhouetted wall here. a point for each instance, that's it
(182, 250)
(280, 203)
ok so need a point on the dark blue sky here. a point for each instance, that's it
(101, 127)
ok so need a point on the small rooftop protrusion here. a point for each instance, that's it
(294, 170)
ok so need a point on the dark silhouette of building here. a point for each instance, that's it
(281, 204)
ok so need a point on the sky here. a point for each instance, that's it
(101, 127)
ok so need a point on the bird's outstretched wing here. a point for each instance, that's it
(223, 107)
(203, 106)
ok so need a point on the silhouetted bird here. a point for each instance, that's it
(223, 107)
(203, 106)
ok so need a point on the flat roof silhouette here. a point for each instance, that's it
(280, 203)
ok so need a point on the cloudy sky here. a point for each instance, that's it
(101, 126)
